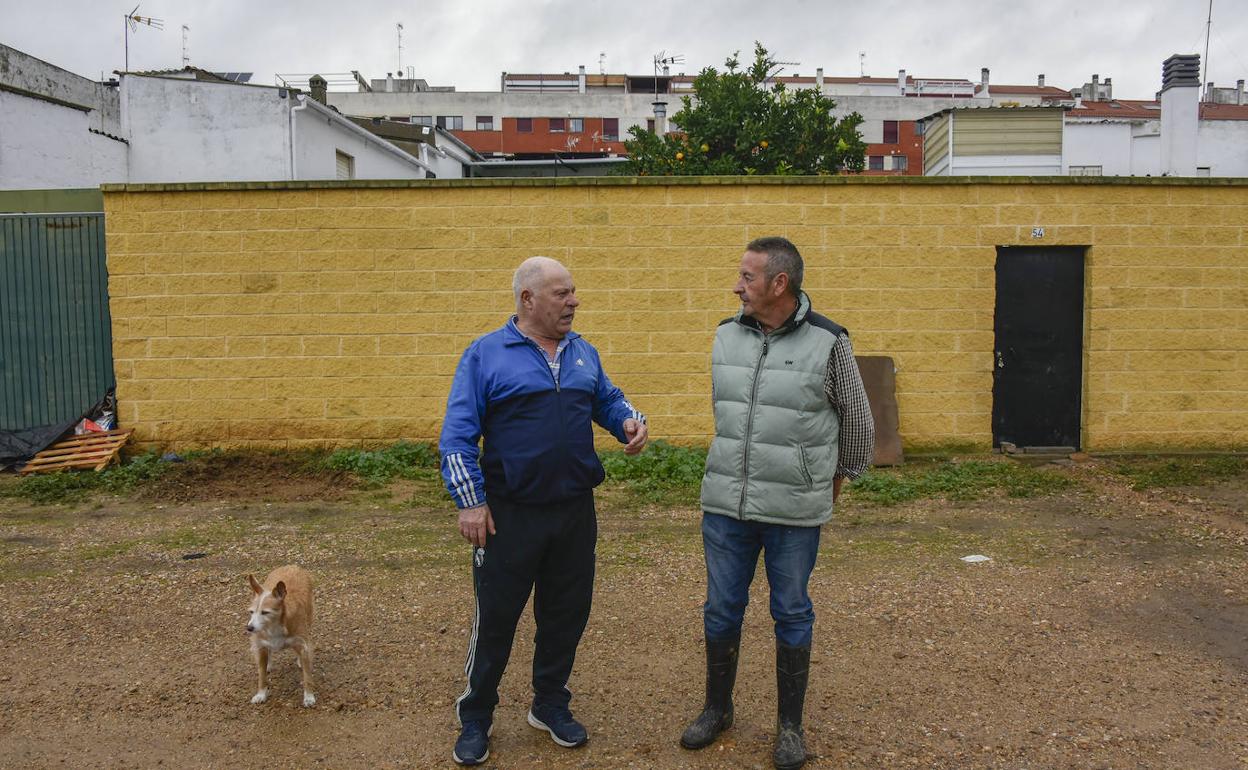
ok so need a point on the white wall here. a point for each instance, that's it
(1103, 144)
(201, 131)
(24, 71)
(1005, 165)
(1223, 147)
(192, 131)
(48, 146)
(319, 136)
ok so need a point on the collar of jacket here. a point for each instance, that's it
(513, 336)
(796, 319)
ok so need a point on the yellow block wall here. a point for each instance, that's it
(333, 314)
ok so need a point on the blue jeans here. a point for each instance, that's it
(732, 547)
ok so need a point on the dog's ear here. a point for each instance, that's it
(255, 587)
(279, 590)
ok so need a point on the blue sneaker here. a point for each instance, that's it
(558, 721)
(473, 745)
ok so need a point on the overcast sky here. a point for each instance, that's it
(468, 43)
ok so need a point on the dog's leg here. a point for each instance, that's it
(305, 665)
(262, 673)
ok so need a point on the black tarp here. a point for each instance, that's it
(18, 446)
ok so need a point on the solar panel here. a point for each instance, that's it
(235, 77)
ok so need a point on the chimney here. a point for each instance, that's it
(660, 118)
(318, 86)
(901, 82)
(1239, 91)
(1040, 80)
(580, 80)
(1180, 113)
(819, 79)
(1078, 94)
(1096, 88)
(389, 83)
(1109, 89)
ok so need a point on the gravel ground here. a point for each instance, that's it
(1109, 630)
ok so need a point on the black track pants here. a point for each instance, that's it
(547, 549)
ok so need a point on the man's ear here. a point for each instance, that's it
(780, 285)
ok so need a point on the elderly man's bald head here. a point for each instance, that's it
(533, 274)
(545, 298)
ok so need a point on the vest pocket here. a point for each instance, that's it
(801, 453)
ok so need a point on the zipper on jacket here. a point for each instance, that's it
(749, 427)
(546, 361)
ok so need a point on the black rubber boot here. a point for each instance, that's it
(721, 675)
(792, 671)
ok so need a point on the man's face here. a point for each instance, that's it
(753, 288)
(550, 308)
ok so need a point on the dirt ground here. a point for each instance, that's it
(1109, 630)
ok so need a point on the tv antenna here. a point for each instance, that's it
(186, 56)
(1208, 29)
(133, 20)
(399, 29)
(602, 63)
(862, 64)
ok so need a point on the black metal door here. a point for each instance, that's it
(1038, 359)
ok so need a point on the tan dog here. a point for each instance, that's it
(281, 615)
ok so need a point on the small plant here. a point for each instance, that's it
(664, 472)
(75, 486)
(956, 481)
(404, 460)
(1154, 472)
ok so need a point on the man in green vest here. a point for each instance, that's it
(792, 422)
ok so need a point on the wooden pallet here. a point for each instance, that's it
(94, 451)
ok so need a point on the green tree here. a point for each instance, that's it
(742, 122)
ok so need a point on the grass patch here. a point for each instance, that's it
(1154, 472)
(404, 460)
(956, 481)
(663, 473)
(76, 486)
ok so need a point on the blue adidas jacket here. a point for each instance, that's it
(539, 441)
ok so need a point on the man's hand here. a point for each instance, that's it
(837, 481)
(475, 523)
(637, 433)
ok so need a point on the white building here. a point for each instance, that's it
(191, 126)
(61, 130)
(1176, 135)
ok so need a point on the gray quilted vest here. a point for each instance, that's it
(775, 447)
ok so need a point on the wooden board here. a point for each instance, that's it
(93, 451)
(879, 378)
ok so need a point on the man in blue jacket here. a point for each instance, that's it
(532, 390)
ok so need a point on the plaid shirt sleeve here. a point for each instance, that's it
(843, 386)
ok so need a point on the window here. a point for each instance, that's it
(485, 122)
(344, 165)
(556, 125)
(650, 125)
(900, 163)
(451, 122)
(524, 125)
(423, 120)
(1085, 171)
(919, 128)
(890, 132)
(610, 129)
(875, 162)
(576, 125)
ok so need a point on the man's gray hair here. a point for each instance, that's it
(782, 257)
(531, 274)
